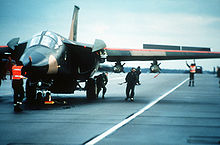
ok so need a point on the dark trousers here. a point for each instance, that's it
(103, 90)
(18, 88)
(138, 81)
(130, 91)
(191, 79)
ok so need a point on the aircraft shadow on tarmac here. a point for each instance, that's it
(59, 103)
(71, 102)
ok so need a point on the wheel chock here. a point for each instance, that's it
(49, 102)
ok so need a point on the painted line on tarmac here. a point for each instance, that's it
(122, 123)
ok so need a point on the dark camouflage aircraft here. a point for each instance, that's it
(55, 64)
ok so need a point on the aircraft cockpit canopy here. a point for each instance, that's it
(47, 39)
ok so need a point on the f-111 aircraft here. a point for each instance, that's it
(55, 64)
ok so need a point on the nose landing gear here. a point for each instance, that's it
(44, 97)
(37, 92)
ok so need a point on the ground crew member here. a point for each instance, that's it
(5, 66)
(218, 75)
(102, 81)
(1, 70)
(138, 72)
(17, 85)
(192, 71)
(131, 79)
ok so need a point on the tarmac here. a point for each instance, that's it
(166, 111)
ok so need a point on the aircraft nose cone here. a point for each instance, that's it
(38, 59)
(42, 59)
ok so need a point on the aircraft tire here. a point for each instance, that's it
(30, 92)
(92, 91)
(39, 97)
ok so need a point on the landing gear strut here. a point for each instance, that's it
(30, 91)
(91, 89)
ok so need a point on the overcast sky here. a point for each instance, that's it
(120, 23)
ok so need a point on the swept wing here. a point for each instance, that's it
(116, 54)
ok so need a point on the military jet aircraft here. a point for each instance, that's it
(54, 64)
(57, 64)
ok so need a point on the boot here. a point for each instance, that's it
(17, 108)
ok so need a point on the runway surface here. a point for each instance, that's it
(165, 112)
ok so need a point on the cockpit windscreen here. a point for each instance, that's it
(47, 39)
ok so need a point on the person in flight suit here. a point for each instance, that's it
(192, 71)
(138, 72)
(218, 75)
(1, 70)
(17, 85)
(131, 79)
(102, 81)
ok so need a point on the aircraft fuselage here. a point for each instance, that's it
(56, 63)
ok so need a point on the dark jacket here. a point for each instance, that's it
(138, 71)
(102, 80)
(131, 78)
